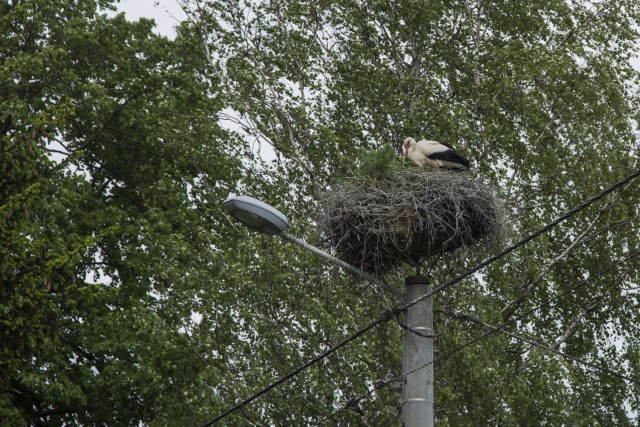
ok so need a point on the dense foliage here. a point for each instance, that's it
(128, 297)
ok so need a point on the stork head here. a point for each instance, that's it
(408, 142)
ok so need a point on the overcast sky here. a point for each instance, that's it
(166, 13)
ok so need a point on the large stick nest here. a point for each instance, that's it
(380, 225)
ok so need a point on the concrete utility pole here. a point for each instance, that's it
(417, 390)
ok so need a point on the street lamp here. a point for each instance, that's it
(259, 216)
(417, 389)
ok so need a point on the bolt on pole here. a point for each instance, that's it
(417, 390)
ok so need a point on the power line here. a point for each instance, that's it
(385, 383)
(525, 240)
(388, 314)
(546, 347)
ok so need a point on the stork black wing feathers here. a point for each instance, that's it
(449, 156)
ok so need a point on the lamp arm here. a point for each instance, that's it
(342, 264)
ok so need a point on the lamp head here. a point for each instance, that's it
(256, 215)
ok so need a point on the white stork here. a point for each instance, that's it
(433, 154)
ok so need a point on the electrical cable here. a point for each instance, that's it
(546, 347)
(292, 374)
(525, 240)
(388, 314)
(413, 331)
(382, 384)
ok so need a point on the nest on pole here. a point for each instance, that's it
(407, 218)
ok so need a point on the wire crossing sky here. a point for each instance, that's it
(527, 239)
(500, 328)
(388, 315)
(547, 348)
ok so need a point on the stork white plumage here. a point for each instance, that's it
(434, 155)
